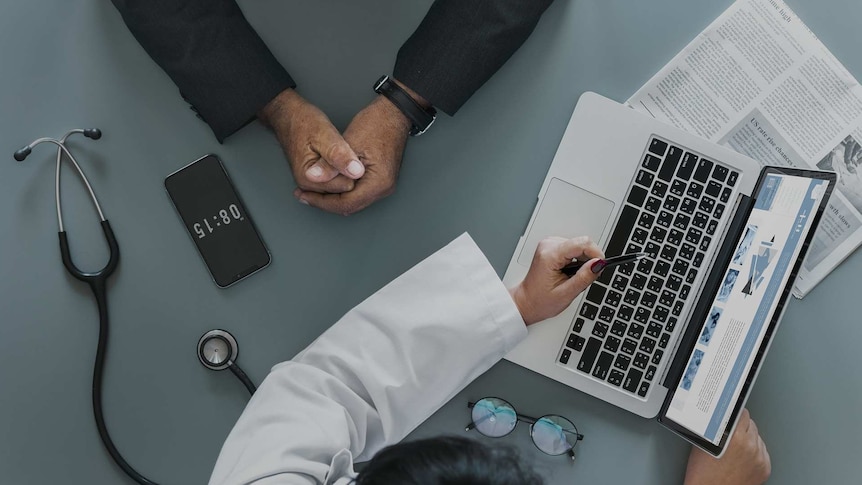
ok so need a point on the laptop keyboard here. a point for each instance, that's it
(622, 329)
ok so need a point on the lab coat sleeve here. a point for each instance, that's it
(375, 375)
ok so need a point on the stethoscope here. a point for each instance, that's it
(217, 349)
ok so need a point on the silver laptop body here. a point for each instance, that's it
(605, 149)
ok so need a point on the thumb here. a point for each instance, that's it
(338, 154)
(582, 279)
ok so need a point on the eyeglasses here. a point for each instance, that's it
(494, 417)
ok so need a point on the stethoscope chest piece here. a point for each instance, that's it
(217, 349)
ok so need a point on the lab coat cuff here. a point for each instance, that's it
(499, 301)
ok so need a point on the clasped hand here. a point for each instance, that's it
(339, 173)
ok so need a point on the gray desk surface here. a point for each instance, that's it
(74, 64)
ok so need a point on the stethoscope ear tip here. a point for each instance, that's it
(93, 133)
(21, 154)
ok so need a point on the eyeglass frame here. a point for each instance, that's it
(529, 420)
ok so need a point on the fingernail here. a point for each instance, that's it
(355, 168)
(303, 201)
(297, 193)
(598, 266)
(315, 171)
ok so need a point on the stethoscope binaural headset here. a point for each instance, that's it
(217, 349)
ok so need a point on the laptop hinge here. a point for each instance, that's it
(710, 289)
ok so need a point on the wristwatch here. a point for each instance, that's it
(421, 118)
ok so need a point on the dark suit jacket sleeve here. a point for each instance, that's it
(220, 64)
(460, 44)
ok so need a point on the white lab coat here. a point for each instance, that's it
(376, 374)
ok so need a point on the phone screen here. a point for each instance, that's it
(217, 221)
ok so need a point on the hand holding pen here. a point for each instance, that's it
(597, 267)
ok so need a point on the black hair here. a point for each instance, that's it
(447, 460)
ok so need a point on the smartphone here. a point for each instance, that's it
(217, 221)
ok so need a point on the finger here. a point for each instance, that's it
(582, 279)
(345, 203)
(744, 420)
(576, 248)
(335, 186)
(320, 172)
(338, 154)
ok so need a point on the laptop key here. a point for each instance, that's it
(698, 260)
(675, 237)
(596, 294)
(632, 297)
(713, 188)
(671, 203)
(575, 342)
(658, 234)
(659, 189)
(688, 205)
(641, 315)
(637, 195)
(691, 276)
(655, 284)
(731, 179)
(591, 351)
(640, 235)
(719, 210)
(665, 218)
(663, 340)
(606, 314)
(681, 221)
(652, 250)
(625, 223)
(674, 281)
(625, 312)
(686, 167)
(701, 174)
(644, 178)
(694, 190)
(589, 311)
(622, 361)
(612, 344)
(706, 204)
(704, 243)
(643, 389)
(671, 324)
(725, 194)
(720, 173)
(579, 325)
(613, 298)
(668, 167)
(641, 360)
(677, 187)
(680, 267)
(615, 377)
(662, 268)
(667, 298)
(656, 357)
(700, 220)
(620, 282)
(653, 330)
(657, 146)
(660, 314)
(687, 251)
(629, 346)
(693, 235)
(647, 345)
(600, 329)
(636, 331)
(683, 293)
(651, 162)
(603, 365)
(619, 329)
(632, 380)
(645, 220)
(650, 373)
(652, 204)
(564, 357)
(677, 308)
(668, 252)
(645, 265)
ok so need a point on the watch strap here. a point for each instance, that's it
(421, 118)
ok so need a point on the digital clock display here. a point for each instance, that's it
(217, 221)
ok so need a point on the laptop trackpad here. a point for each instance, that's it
(566, 211)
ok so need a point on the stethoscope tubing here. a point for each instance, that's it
(97, 280)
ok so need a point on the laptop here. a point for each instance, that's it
(681, 334)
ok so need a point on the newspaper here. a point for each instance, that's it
(759, 81)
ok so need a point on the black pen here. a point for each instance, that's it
(573, 267)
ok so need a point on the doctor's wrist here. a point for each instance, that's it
(522, 303)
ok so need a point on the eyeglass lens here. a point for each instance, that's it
(552, 434)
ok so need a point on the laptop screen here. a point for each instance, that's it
(745, 310)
